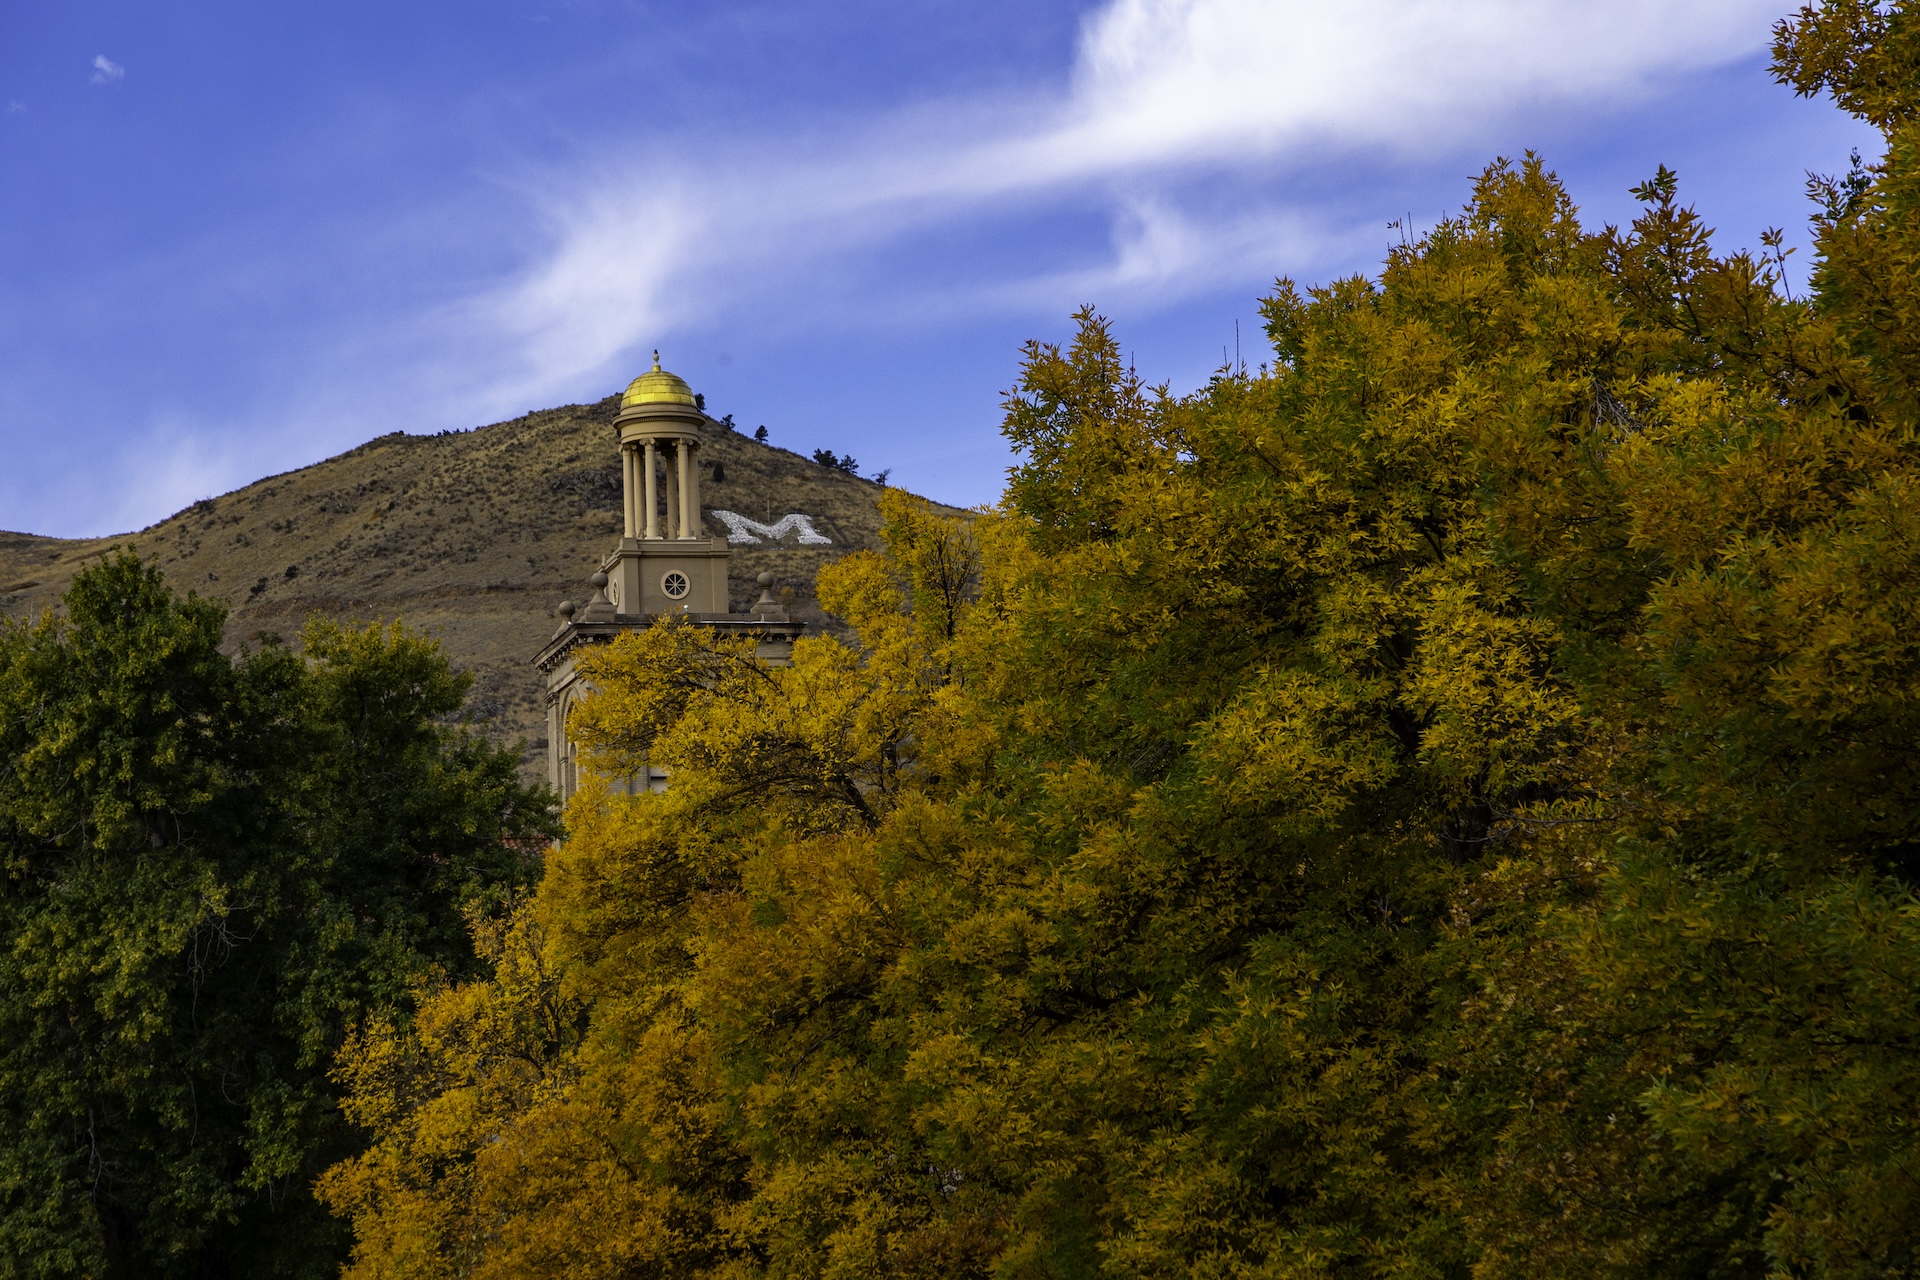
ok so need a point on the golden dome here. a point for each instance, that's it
(657, 386)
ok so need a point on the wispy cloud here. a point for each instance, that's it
(106, 70)
(1187, 81)
(1161, 92)
(15, 106)
(1161, 252)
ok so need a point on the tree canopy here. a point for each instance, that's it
(1442, 804)
(214, 867)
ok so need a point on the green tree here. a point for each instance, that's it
(213, 868)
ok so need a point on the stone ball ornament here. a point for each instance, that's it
(766, 603)
(567, 609)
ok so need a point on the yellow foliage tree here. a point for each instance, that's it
(522, 1136)
(1442, 805)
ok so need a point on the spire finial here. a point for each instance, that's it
(656, 359)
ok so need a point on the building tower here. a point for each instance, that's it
(664, 566)
(665, 563)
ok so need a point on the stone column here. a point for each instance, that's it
(652, 498)
(629, 497)
(694, 528)
(673, 490)
(687, 488)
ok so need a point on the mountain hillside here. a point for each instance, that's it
(475, 536)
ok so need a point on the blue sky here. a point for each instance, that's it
(238, 238)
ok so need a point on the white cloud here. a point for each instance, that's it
(1161, 91)
(106, 70)
(15, 106)
(1180, 81)
(614, 259)
(1160, 252)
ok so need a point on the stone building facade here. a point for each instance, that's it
(664, 565)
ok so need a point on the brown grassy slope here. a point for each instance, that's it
(474, 536)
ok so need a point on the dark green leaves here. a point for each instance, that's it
(213, 867)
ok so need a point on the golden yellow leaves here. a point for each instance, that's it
(438, 1094)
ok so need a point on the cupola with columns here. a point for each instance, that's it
(665, 564)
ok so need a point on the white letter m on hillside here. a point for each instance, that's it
(749, 532)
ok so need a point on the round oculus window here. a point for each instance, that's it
(675, 584)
